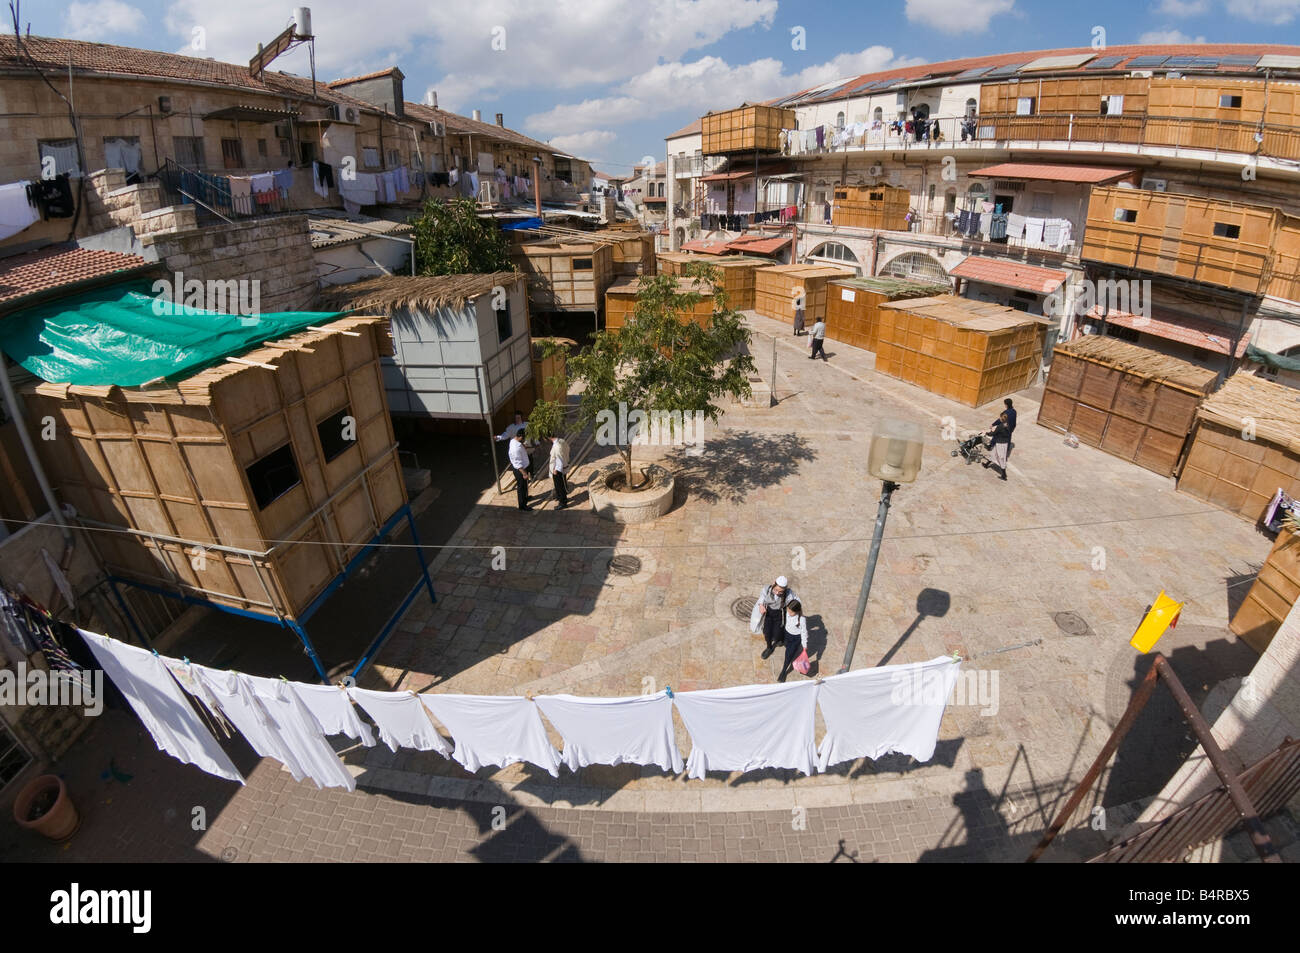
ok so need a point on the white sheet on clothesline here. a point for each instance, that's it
(494, 729)
(749, 727)
(334, 711)
(402, 721)
(636, 730)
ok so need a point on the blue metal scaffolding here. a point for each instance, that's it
(295, 624)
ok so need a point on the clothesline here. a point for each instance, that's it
(867, 713)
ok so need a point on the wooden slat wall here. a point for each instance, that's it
(1081, 96)
(855, 322)
(736, 275)
(879, 207)
(1271, 595)
(776, 288)
(1236, 474)
(554, 284)
(745, 129)
(1127, 415)
(634, 255)
(1174, 235)
(620, 304)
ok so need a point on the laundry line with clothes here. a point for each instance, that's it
(868, 713)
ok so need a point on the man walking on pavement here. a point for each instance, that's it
(1001, 443)
(818, 337)
(1011, 423)
(769, 613)
(520, 463)
(560, 470)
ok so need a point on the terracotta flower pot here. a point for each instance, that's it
(43, 806)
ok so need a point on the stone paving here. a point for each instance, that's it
(969, 565)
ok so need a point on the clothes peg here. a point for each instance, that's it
(669, 690)
(529, 695)
(155, 653)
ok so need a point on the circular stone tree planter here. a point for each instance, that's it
(612, 501)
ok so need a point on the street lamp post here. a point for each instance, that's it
(894, 459)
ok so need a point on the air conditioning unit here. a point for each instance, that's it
(348, 114)
(489, 192)
(1154, 185)
(437, 128)
(876, 171)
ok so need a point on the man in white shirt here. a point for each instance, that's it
(520, 463)
(818, 338)
(518, 427)
(560, 470)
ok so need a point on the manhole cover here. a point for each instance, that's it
(1071, 623)
(625, 565)
(742, 608)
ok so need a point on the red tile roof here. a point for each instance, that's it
(357, 79)
(759, 244)
(1010, 274)
(36, 271)
(1128, 51)
(1187, 329)
(707, 246)
(1047, 172)
(694, 129)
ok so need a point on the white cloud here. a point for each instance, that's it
(561, 44)
(706, 83)
(585, 145)
(1275, 12)
(957, 16)
(1169, 37)
(1183, 8)
(101, 18)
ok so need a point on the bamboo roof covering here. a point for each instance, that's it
(1273, 408)
(408, 291)
(684, 285)
(965, 312)
(1139, 361)
(895, 288)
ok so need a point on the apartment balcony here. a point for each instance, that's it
(1061, 131)
(939, 225)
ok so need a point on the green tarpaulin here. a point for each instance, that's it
(124, 335)
(1269, 359)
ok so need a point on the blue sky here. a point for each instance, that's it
(608, 79)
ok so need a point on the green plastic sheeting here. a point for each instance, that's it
(1269, 359)
(116, 335)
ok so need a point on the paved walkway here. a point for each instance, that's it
(1038, 582)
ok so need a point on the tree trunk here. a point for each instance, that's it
(627, 467)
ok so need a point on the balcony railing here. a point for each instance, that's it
(940, 226)
(1211, 135)
(211, 194)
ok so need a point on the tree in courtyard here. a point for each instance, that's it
(451, 239)
(659, 366)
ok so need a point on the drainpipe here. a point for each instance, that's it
(20, 424)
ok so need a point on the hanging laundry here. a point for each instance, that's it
(238, 702)
(453, 176)
(53, 197)
(874, 711)
(402, 721)
(998, 228)
(241, 193)
(401, 179)
(334, 711)
(1034, 230)
(161, 705)
(183, 672)
(262, 181)
(636, 730)
(1052, 232)
(494, 729)
(1015, 225)
(122, 154)
(750, 727)
(986, 223)
(17, 211)
(821, 137)
(1067, 233)
(283, 181)
(300, 733)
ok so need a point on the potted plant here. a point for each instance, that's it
(43, 806)
(650, 380)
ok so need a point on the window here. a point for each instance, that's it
(1229, 102)
(839, 121)
(1025, 106)
(189, 151)
(307, 152)
(232, 153)
(916, 265)
(563, 170)
(285, 145)
(505, 327)
(261, 148)
(337, 433)
(273, 476)
(62, 153)
(1124, 334)
(1126, 215)
(370, 157)
(972, 107)
(582, 264)
(1224, 230)
(394, 158)
(878, 115)
(950, 201)
(834, 250)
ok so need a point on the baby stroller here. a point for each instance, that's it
(971, 449)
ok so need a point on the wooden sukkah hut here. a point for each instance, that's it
(778, 286)
(1245, 446)
(971, 351)
(735, 273)
(1275, 590)
(633, 253)
(566, 274)
(852, 306)
(461, 345)
(620, 301)
(871, 206)
(1133, 403)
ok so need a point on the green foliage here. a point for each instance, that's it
(450, 239)
(660, 360)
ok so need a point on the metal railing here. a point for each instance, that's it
(212, 193)
(939, 225)
(1209, 135)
